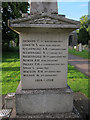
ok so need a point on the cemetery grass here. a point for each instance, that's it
(11, 75)
(84, 54)
(10, 72)
(78, 81)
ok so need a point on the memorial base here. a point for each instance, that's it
(43, 101)
(74, 115)
(52, 104)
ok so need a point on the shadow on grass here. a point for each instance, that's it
(10, 60)
(11, 69)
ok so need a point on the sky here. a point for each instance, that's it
(73, 10)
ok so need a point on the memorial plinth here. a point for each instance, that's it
(43, 64)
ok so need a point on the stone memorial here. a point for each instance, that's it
(80, 47)
(43, 62)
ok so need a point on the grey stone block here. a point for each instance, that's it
(43, 101)
(74, 115)
(10, 101)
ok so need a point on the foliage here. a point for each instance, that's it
(11, 10)
(83, 32)
(89, 31)
(83, 36)
(10, 49)
(11, 75)
(83, 54)
(84, 21)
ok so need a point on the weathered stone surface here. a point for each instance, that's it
(74, 115)
(43, 101)
(44, 57)
(10, 101)
(80, 47)
(45, 20)
(43, 7)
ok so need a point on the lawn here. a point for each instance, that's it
(10, 72)
(84, 54)
(78, 81)
(11, 75)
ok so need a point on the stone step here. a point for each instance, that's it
(43, 101)
(74, 115)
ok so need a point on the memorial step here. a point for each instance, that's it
(74, 115)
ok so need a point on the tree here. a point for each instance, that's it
(89, 31)
(11, 10)
(83, 36)
(89, 25)
(84, 21)
(83, 33)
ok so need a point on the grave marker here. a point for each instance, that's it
(43, 61)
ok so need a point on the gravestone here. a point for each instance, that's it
(80, 47)
(43, 62)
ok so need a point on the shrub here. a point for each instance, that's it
(83, 36)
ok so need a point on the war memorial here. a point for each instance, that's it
(43, 92)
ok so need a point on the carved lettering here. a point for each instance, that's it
(43, 60)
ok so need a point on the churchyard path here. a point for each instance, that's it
(83, 65)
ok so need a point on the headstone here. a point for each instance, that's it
(13, 44)
(83, 47)
(10, 44)
(80, 47)
(43, 61)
